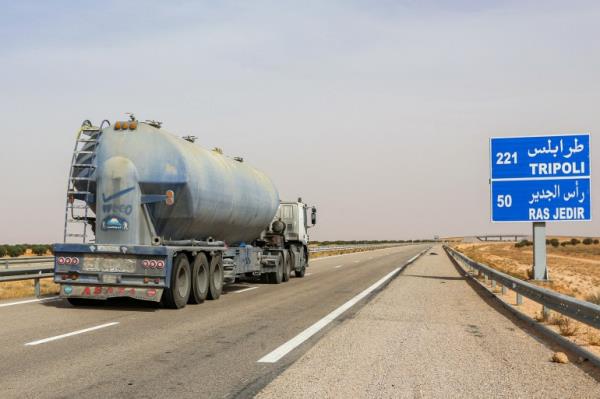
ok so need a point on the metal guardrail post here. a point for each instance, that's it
(519, 299)
(37, 288)
(504, 290)
(493, 284)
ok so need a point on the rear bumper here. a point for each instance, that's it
(106, 292)
(136, 267)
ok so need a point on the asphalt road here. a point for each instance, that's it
(429, 334)
(50, 349)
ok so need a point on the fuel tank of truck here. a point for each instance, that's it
(214, 196)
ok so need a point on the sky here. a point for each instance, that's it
(377, 112)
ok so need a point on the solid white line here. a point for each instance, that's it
(43, 341)
(338, 266)
(54, 298)
(245, 290)
(293, 343)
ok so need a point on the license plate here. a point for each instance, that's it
(109, 278)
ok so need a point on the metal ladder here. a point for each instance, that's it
(79, 216)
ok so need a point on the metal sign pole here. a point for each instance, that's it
(540, 271)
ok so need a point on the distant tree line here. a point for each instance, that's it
(364, 242)
(556, 243)
(20, 249)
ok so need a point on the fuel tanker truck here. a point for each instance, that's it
(156, 217)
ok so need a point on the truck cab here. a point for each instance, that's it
(295, 217)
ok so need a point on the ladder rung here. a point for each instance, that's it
(75, 235)
(77, 207)
(84, 152)
(79, 221)
(87, 141)
(81, 178)
(83, 165)
(78, 192)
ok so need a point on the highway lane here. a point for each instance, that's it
(207, 350)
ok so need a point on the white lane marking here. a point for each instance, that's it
(54, 298)
(356, 261)
(299, 339)
(308, 274)
(338, 266)
(43, 341)
(245, 290)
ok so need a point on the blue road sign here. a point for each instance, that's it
(540, 179)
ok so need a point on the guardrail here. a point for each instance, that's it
(356, 246)
(585, 312)
(574, 308)
(18, 269)
(12, 271)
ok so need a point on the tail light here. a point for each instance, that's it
(67, 260)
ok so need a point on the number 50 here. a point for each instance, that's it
(504, 201)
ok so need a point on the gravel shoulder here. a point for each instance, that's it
(430, 335)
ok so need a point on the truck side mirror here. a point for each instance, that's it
(313, 216)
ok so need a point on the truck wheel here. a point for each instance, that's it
(216, 278)
(178, 294)
(300, 273)
(200, 280)
(288, 269)
(81, 302)
(277, 275)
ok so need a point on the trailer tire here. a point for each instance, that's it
(276, 277)
(82, 302)
(215, 278)
(176, 297)
(200, 279)
(300, 273)
(287, 271)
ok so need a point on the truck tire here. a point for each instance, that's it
(287, 271)
(215, 278)
(300, 273)
(176, 297)
(82, 302)
(200, 279)
(276, 277)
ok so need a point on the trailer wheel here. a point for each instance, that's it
(287, 271)
(216, 278)
(81, 302)
(176, 297)
(300, 273)
(200, 279)
(277, 275)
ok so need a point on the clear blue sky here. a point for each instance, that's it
(378, 112)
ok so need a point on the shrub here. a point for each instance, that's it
(39, 249)
(554, 242)
(575, 241)
(2, 251)
(593, 298)
(596, 241)
(565, 243)
(567, 327)
(15, 250)
(588, 241)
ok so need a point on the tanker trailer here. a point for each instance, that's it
(155, 217)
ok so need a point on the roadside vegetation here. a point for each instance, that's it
(17, 250)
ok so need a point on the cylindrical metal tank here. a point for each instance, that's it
(215, 196)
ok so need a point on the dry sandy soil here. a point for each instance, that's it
(574, 271)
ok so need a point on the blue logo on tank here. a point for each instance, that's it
(68, 289)
(114, 223)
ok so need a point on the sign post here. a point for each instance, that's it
(540, 179)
